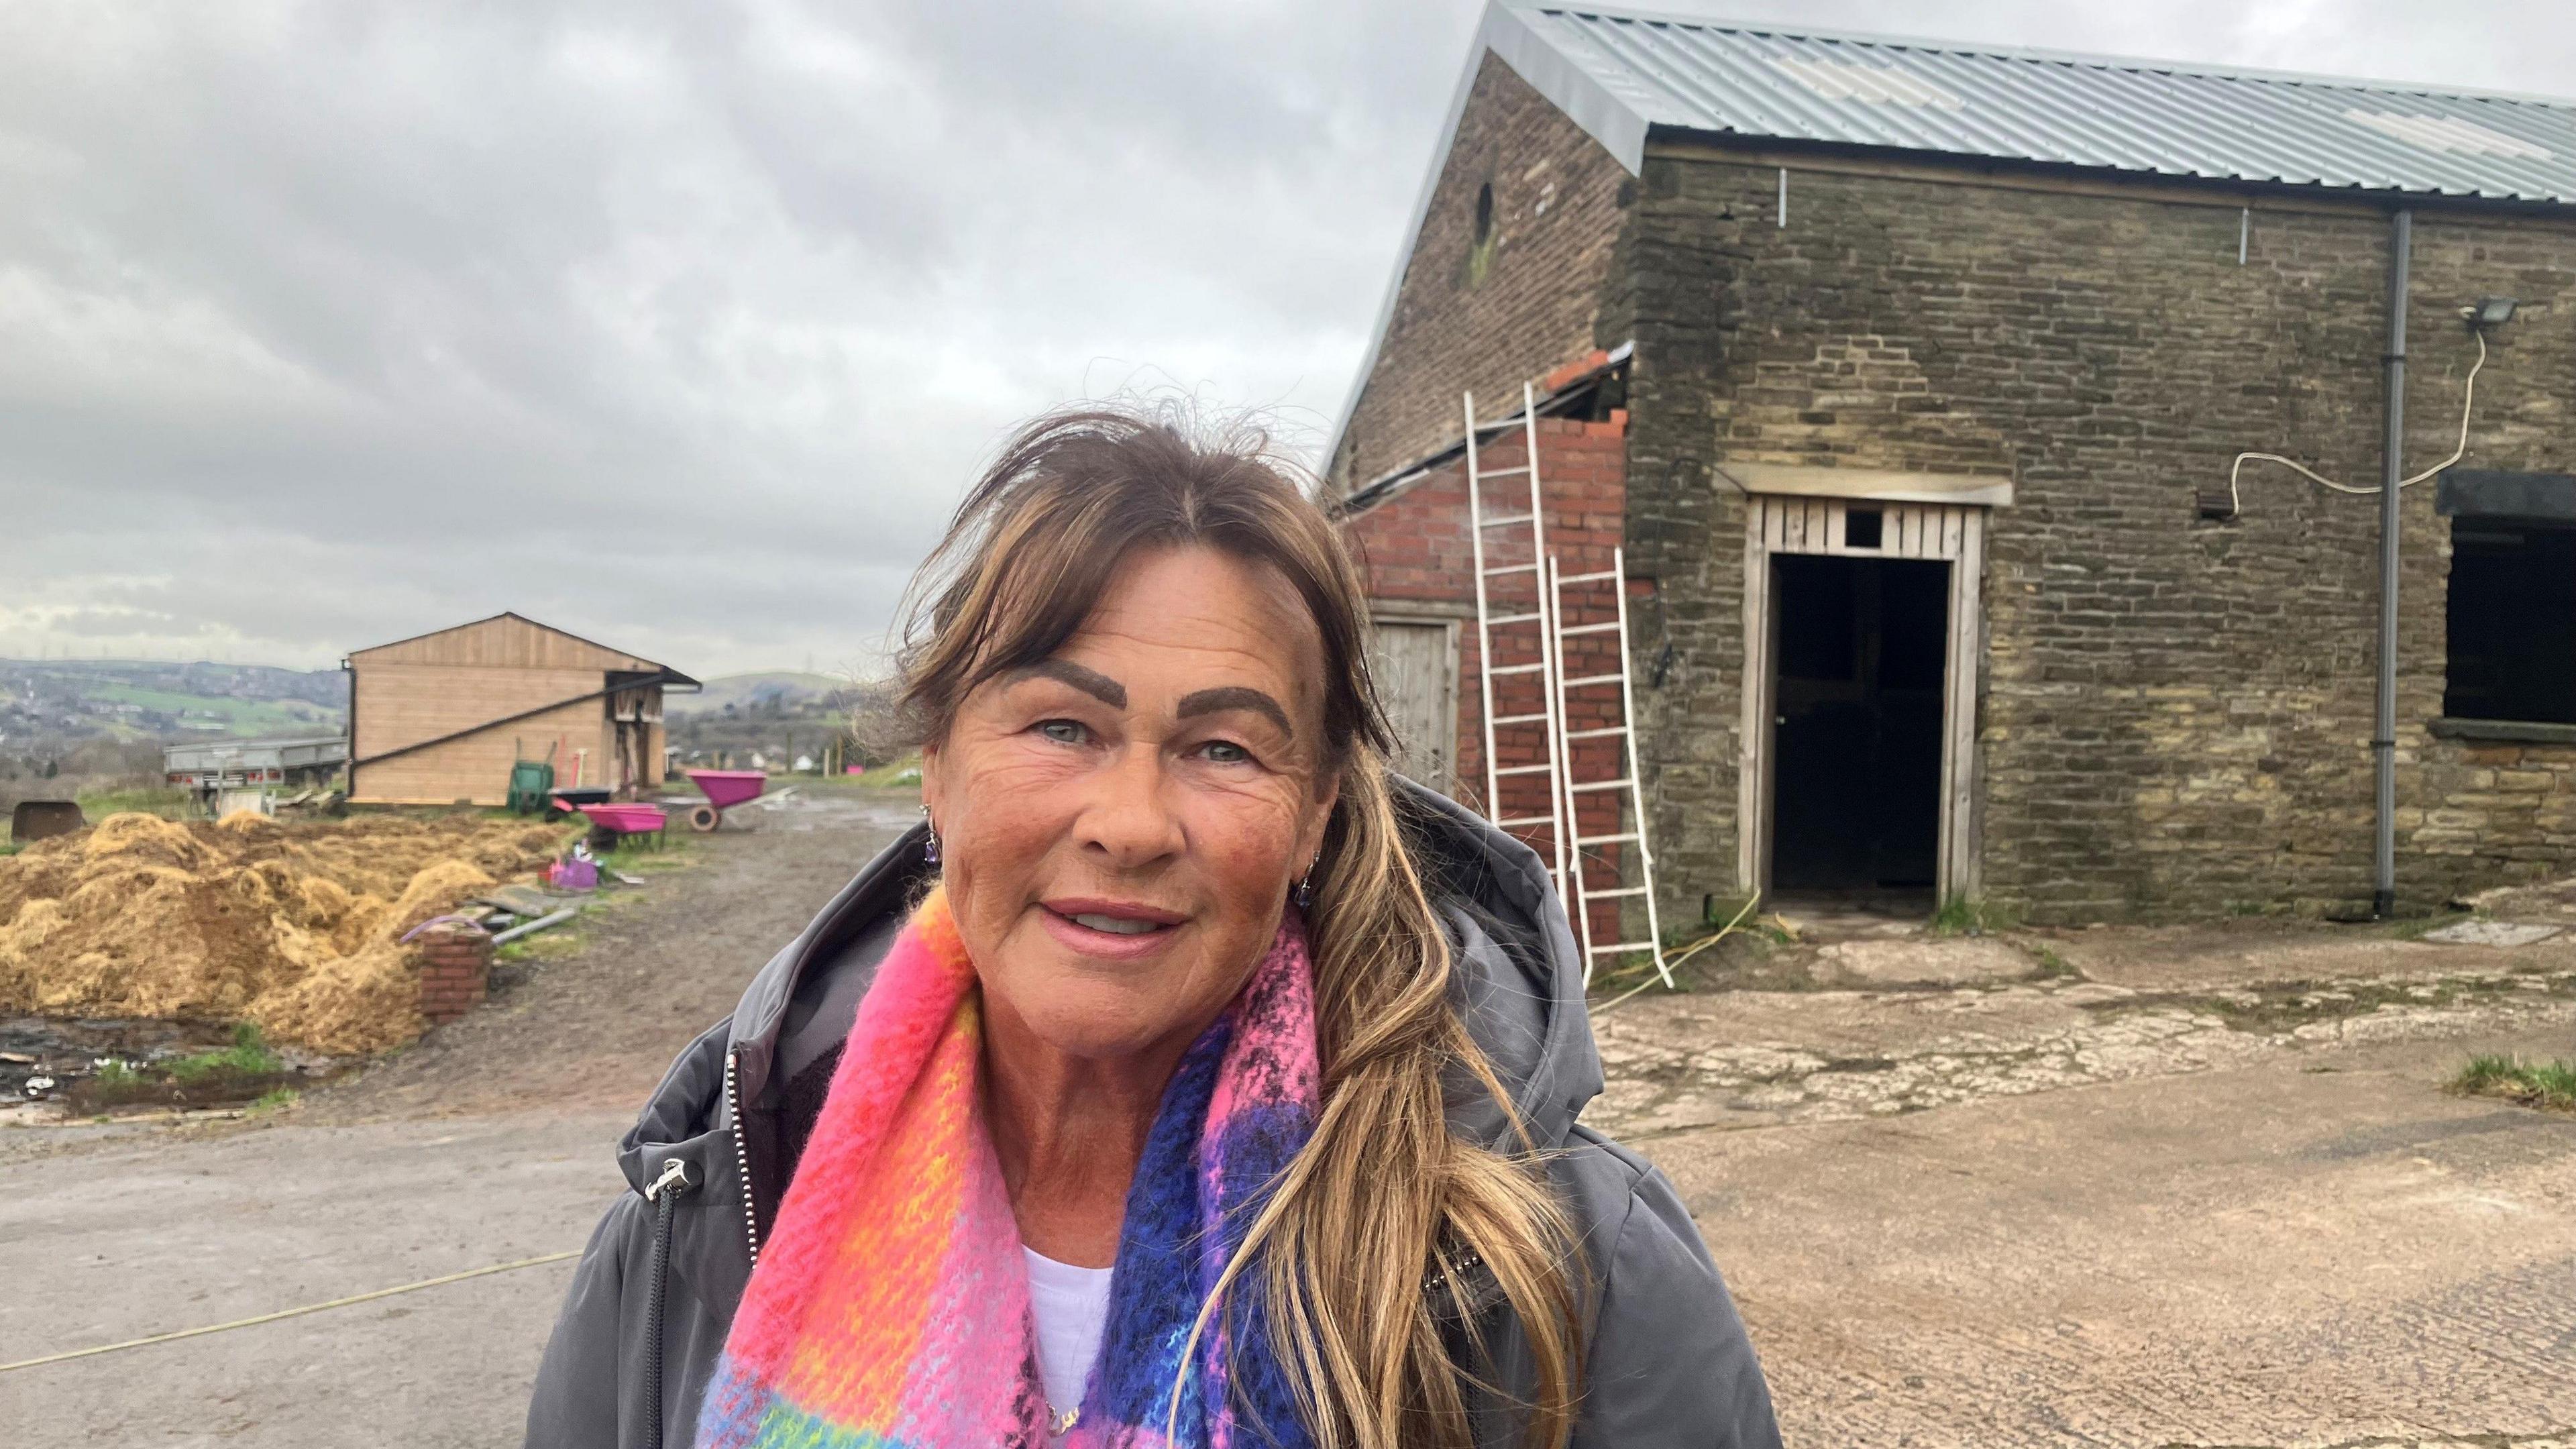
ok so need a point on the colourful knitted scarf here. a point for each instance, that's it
(890, 1308)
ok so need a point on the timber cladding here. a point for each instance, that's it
(439, 719)
(406, 704)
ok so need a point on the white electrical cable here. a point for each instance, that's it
(2468, 401)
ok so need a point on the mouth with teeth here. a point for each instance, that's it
(1110, 928)
(1114, 925)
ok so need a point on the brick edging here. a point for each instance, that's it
(455, 971)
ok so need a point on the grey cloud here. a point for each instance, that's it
(682, 325)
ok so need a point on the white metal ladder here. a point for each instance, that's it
(1579, 900)
(1535, 623)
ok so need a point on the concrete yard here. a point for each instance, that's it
(2150, 1188)
(487, 1142)
(151, 1233)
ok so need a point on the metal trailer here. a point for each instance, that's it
(229, 775)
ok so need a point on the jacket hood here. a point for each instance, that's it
(1519, 978)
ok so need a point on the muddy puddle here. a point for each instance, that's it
(103, 1065)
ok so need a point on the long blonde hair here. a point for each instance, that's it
(1367, 1231)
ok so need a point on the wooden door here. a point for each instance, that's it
(1415, 662)
(1865, 529)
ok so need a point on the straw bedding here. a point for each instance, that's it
(290, 926)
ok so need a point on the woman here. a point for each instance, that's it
(1184, 1078)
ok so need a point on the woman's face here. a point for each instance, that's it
(1120, 824)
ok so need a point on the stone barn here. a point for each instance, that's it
(1916, 384)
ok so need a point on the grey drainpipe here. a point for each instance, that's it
(2383, 739)
(351, 720)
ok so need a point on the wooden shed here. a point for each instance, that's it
(439, 718)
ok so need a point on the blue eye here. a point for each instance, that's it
(1227, 752)
(1062, 731)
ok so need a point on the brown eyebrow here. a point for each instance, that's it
(1090, 681)
(1236, 696)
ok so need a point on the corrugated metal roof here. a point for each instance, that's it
(1622, 73)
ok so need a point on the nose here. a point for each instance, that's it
(1127, 820)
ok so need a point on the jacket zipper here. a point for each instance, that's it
(741, 1154)
(663, 1192)
(1459, 1268)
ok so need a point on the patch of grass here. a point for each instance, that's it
(1717, 910)
(166, 801)
(1965, 916)
(276, 1099)
(2415, 928)
(1724, 955)
(906, 771)
(2550, 1085)
(1681, 933)
(821, 781)
(2279, 1006)
(2052, 967)
(1618, 972)
(238, 716)
(635, 856)
(247, 1056)
(554, 942)
(244, 1071)
(680, 851)
(1720, 911)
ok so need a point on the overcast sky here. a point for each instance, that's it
(681, 325)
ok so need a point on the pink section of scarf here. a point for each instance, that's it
(891, 1305)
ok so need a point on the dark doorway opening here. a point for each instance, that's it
(1856, 700)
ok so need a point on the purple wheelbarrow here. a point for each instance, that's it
(724, 789)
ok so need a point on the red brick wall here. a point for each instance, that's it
(455, 967)
(1415, 549)
(1482, 318)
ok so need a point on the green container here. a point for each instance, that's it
(531, 781)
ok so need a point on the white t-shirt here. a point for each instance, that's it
(1072, 1308)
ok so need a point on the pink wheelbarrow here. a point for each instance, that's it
(625, 820)
(724, 789)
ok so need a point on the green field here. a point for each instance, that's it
(237, 716)
(168, 801)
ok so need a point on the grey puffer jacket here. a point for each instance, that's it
(1666, 1362)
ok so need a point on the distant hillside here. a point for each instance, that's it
(774, 717)
(61, 701)
(778, 692)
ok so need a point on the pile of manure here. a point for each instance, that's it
(292, 927)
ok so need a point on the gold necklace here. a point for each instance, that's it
(1063, 1419)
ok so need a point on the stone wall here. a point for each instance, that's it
(2176, 712)
(1487, 316)
(2489, 812)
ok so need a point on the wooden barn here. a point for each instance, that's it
(438, 719)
